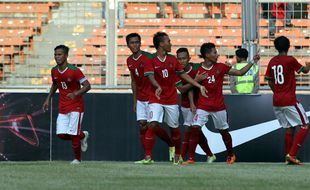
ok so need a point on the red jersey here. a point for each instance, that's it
(214, 85)
(68, 81)
(281, 71)
(136, 68)
(192, 73)
(165, 73)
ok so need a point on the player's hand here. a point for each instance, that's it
(158, 92)
(46, 105)
(256, 58)
(71, 95)
(193, 108)
(200, 76)
(203, 91)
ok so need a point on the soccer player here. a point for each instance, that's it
(214, 105)
(141, 87)
(162, 73)
(290, 113)
(68, 80)
(188, 106)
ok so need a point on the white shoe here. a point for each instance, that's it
(84, 144)
(75, 161)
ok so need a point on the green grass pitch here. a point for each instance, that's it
(103, 175)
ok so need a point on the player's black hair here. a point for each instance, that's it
(282, 44)
(180, 50)
(242, 53)
(157, 38)
(206, 48)
(63, 47)
(132, 35)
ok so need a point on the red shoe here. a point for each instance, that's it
(188, 162)
(292, 160)
(231, 159)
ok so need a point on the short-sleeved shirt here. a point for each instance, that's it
(281, 71)
(136, 68)
(192, 73)
(68, 81)
(214, 85)
(165, 73)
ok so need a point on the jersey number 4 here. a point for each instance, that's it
(278, 74)
(63, 85)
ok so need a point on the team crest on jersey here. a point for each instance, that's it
(170, 65)
(217, 72)
(69, 79)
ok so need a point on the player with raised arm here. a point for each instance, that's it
(162, 73)
(214, 105)
(290, 113)
(141, 87)
(68, 80)
(189, 99)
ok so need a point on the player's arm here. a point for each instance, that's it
(271, 85)
(156, 85)
(199, 77)
(134, 91)
(245, 69)
(305, 69)
(85, 88)
(47, 101)
(194, 83)
(191, 101)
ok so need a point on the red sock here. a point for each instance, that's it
(64, 136)
(185, 142)
(142, 136)
(149, 142)
(163, 135)
(299, 139)
(82, 135)
(227, 141)
(176, 140)
(193, 141)
(289, 136)
(203, 142)
(76, 145)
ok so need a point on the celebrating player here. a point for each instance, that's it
(290, 113)
(163, 97)
(188, 106)
(214, 104)
(141, 87)
(68, 79)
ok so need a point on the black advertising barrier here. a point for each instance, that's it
(114, 135)
(24, 128)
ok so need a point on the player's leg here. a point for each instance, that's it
(142, 112)
(203, 142)
(61, 126)
(296, 116)
(188, 118)
(172, 120)
(199, 120)
(289, 130)
(74, 129)
(155, 116)
(220, 123)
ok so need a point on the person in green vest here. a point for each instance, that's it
(248, 83)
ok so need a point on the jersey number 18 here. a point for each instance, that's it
(278, 74)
